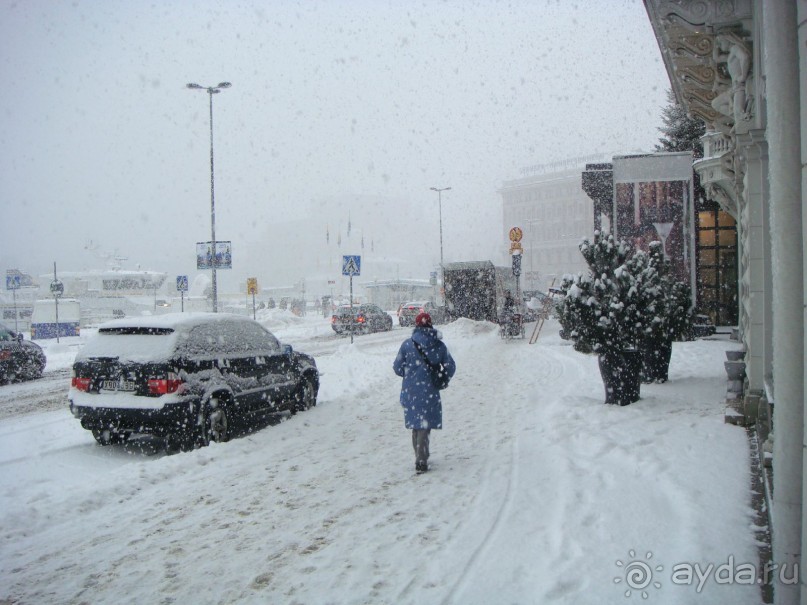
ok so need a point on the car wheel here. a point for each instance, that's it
(33, 369)
(215, 424)
(306, 397)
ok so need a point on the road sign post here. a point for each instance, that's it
(182, 286)
(57, 289)
(252, 288)
(13, 282)
(351, 265)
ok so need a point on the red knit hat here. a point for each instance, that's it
(423, 320)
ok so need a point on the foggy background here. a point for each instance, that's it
(339, 111)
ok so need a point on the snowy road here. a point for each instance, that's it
(536, 490)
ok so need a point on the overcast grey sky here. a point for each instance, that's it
(102, 141)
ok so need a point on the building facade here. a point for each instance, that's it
(741, 66)
(554, 213)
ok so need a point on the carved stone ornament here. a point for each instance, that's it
(732, 57)
(718, 194)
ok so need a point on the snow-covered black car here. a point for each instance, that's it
(186, 377)
(19, 359)
(360, 319)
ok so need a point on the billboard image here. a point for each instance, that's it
(205, 259)
(653, 202)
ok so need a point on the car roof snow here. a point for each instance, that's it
(172, 320)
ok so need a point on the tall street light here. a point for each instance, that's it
(211, 90)
(440, 210)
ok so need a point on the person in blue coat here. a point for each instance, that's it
(423, 410)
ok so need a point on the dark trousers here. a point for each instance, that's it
(420, 441)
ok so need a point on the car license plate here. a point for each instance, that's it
(118, 385)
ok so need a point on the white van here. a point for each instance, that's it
(43, 318)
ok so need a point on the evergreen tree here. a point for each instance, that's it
(671, 316)
(605, 310)
(680, 131)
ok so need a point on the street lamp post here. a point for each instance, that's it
(440, 210)
(211, 90)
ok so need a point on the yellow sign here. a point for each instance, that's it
(252, 285)
(516, 247)
(516, 234)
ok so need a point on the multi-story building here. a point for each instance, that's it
(554, 213)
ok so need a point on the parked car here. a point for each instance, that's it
(410, 310)
(19, 359)
(186, 377)
(363, 319)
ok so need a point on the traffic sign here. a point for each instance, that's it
(13, 282)
(57, 288)
(182, 283)
(252, 285)
(351, 265)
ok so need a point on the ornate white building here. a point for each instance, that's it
(741, 66)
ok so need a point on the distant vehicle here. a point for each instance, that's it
(363, 319)
(19, 359)
(43, 318)
(476, 290)
(185, 377)
(409, 311)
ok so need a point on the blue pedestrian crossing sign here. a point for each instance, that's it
(182, 283)
(13, 282)
(351, 265)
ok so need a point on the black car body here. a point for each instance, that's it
(19, 359)
(360, 319)
(185, 377)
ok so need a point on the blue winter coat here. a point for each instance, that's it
(419, 397)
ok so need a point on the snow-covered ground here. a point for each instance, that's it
(537, 493)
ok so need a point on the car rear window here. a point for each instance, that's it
(132, 344)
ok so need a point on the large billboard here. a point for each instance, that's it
(205, 259)
(653, 202)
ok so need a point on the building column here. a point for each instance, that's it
(781, 60)
(755, 251)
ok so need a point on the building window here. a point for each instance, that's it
(717, 265)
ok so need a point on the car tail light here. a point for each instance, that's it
(80, 383)
(4, 355)
(361, 319)
(163, 386)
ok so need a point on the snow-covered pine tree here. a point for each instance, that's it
(602, 310)
(608, 311)
(669, 316)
